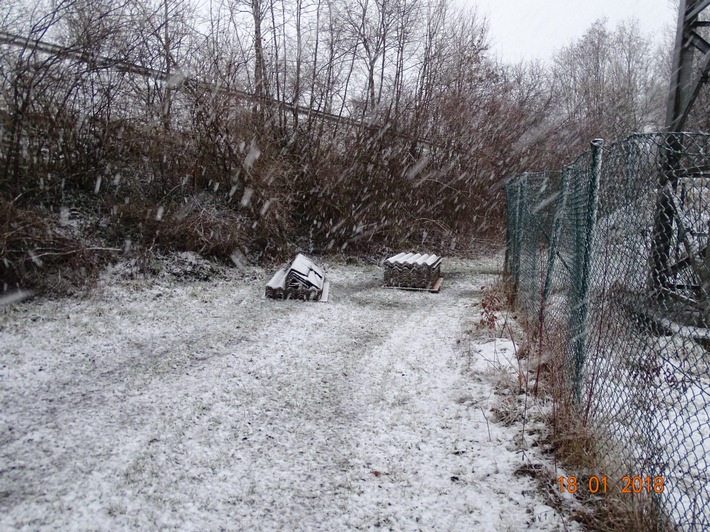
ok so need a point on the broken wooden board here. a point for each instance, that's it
(326, 292)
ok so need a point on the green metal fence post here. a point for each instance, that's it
(521, 190)
(628, 177)
(509, 223)
(581, 309)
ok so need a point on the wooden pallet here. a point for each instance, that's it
(434, 289)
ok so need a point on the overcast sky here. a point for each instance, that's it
(535, 29)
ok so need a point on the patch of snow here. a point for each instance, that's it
(155, 403)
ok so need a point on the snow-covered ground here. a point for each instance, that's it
(200, 405)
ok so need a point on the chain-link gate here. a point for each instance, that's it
(610, 265)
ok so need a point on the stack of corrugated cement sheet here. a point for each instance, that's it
(302, 279)
(276, 287)
(412, 270)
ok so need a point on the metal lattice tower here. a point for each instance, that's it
(688, 75)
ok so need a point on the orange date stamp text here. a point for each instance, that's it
(595, 484)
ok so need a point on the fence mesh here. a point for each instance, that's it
(610, 264)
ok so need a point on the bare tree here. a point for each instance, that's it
(606, 83)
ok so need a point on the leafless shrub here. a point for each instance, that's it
(34, 254)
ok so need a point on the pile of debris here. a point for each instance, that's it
(302, 279)
(413, 270)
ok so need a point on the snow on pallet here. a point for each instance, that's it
(413, 271)
(302, 279)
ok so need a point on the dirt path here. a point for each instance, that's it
(201, 405)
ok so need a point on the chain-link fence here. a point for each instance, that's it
(610, 264)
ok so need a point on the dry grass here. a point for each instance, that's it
(578, 447)
(631, 512)
(582, 451)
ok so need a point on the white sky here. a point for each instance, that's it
(536, 29)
